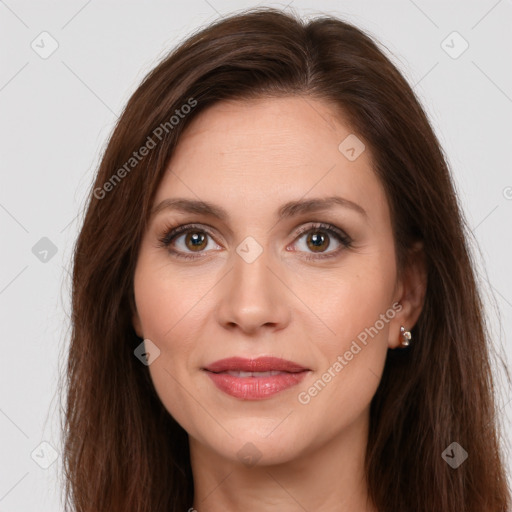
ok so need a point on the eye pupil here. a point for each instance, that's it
(318, 240)
(195, 237)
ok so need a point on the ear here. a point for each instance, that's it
(410, 293)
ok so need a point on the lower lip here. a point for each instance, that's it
(255, 388)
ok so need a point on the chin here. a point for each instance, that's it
(254, 451)
(249, 447)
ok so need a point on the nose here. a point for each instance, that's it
(253, 295)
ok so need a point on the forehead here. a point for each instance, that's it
(264, 152)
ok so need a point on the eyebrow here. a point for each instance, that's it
(288, 210)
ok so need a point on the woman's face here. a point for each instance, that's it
(267, 277)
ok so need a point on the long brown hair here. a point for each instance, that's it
(122, 450)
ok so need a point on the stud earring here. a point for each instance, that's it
(405, 337)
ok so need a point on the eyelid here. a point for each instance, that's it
(325, 226)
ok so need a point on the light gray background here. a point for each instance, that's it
(56, 114)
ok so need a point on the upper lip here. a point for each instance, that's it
(260, 364)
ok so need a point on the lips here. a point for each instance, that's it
(255, 379)
(261, 364)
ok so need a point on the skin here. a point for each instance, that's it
(250, 158)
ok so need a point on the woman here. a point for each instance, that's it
(274, 304)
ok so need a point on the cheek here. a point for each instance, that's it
(167, 298)
(354, 309)
(171, 317)
(349, 300)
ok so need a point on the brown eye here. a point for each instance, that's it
(318, 241)
(196, 240)
(183, 241)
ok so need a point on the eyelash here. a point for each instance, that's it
(171, 233)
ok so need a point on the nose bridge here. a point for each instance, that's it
(251, 274)
(253, 295)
